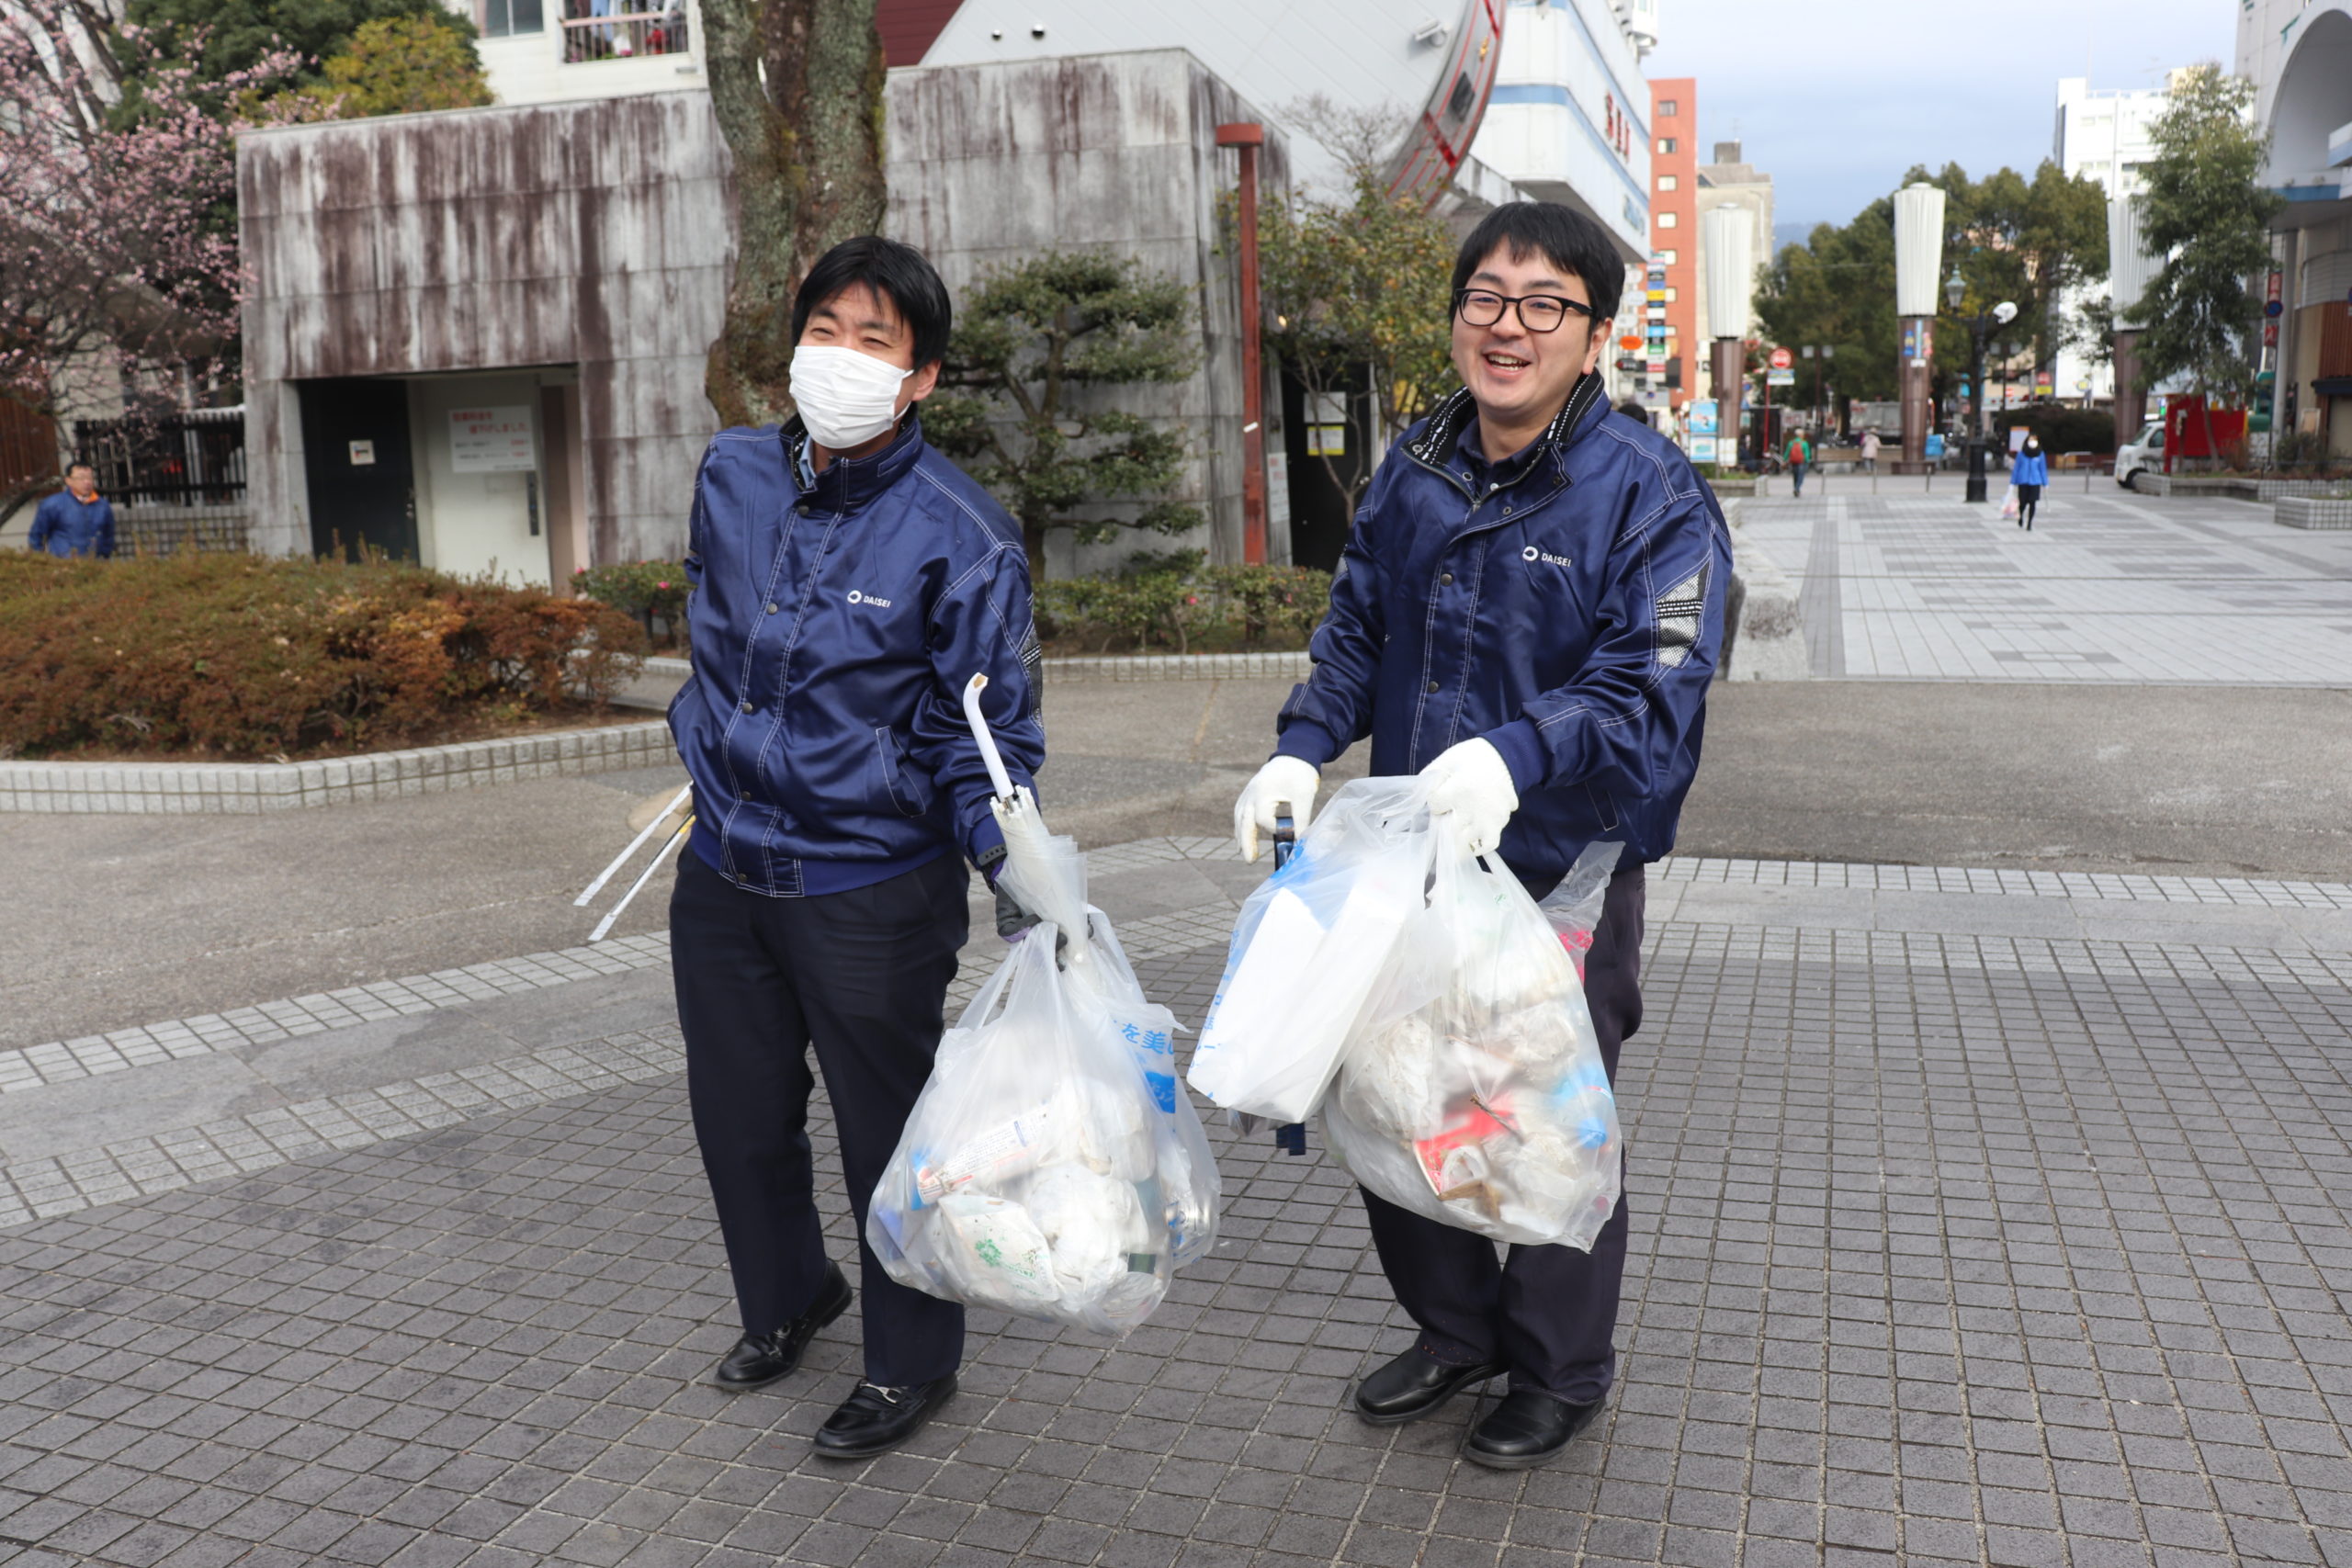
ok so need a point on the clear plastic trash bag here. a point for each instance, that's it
(1051, 1167)
(1487, 1107)
(1312, 951)
(1574, 907)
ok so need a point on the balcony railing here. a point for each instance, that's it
(615, 29)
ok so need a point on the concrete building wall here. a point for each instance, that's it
(573, 260)
(591, 235)
(992, 163)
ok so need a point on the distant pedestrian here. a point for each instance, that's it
(1632, 409)
(1870, 451)
(77, 520)
(2029, 473)
(1800, 453)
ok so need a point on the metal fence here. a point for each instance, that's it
(195, 459)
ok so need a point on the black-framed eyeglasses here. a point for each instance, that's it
(1537, 312)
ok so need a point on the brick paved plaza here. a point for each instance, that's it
(1987, 1217)
(1980, 1215)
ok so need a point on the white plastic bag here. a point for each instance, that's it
(1313, 948)
(1487, 1108)
(2009, 504)
(1051, 1167)
(1574, 907)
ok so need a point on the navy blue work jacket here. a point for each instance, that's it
(1566, 604)
(65, 526)
(833, 629)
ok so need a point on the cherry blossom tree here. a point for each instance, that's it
(118, 242)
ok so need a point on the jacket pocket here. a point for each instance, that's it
(1604, 809)
(909, 790)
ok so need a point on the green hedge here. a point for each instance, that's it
(645, 590)
(1173, 599)
(2063, 430)
(241, 655)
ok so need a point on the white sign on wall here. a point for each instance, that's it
(492, 441)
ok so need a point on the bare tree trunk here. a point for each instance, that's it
(797, 88)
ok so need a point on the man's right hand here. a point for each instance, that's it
(1282, 780)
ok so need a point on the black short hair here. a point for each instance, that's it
(1562, 235)
(901, 274)
(1632, 409)
(78, 463)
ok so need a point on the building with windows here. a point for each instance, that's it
(2102, 136)
(1674, 242)
(2299, 54)
(545, 51)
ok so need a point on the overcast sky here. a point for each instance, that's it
(1836, 100)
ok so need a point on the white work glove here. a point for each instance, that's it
(1470, 794)
(1282, 779)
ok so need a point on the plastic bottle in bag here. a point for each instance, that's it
(1487, 1107)
(1312, 948)
(1050, 1169)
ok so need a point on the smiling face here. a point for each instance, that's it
(1518, 378)
(83, 480)
(862, 317)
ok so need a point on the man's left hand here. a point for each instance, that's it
(1472, 794)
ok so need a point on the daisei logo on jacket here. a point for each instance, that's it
(855, 597)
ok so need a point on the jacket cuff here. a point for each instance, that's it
(985, 836)
(1522, 751)
(1308, 742)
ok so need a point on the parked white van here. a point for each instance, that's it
(2144, 452)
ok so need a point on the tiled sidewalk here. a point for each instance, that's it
(1949, 1246)
(2110, 586)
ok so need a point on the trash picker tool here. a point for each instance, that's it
(643, 878)
(635, 844)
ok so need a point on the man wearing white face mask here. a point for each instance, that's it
(848, 582)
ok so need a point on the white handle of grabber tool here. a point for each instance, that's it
(634, 845)
(998, 777)
(643, 878)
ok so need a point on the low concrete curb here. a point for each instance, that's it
(2299, 512)
(1136, 667)
(1766, 636)
(252, 788)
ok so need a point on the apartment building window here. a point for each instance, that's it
(1672, 294)
(504, 18)
(1666, 145)
(1667, 107)
(1665, 182)
(1667, 219)
(1667, 258)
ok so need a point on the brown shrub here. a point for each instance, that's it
(254, 656)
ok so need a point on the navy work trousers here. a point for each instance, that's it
(861, 975)
(1548, 1312)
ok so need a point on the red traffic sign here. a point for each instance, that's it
(1783, 359)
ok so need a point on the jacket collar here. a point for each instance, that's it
(851, 484)
(1445, 426)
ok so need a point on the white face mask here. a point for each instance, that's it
(846, 398)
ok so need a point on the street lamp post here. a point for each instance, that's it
(2002, 314)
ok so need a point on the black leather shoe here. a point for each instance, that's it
(758, 1360)
(1525, 1430)
(874, 1419)
(1414, 1386)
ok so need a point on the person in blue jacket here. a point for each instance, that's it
(1527, 613)
(2030, 473)
(77, 520)
(848, 581)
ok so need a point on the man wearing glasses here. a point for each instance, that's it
(1528, 612)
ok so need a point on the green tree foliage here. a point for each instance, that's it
(2026, 240)
(2203, 212)
(1040, 348)
(401, 64)
(1357, 290)
(236, 34)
